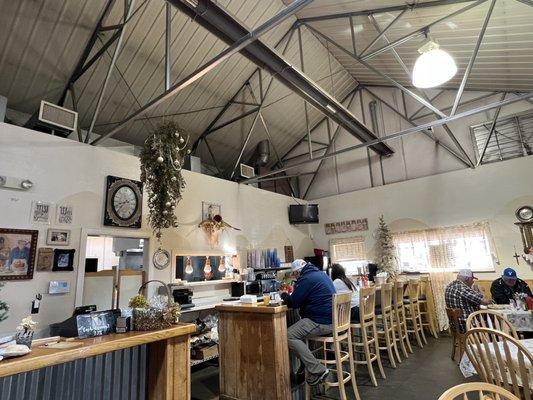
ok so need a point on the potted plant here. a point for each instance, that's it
(25, 331)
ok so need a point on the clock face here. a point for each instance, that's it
(125, 202)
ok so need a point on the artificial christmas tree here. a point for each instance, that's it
(385, 253)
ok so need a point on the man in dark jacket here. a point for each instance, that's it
(504, 288)
(313, 294)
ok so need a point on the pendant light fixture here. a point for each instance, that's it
(207, 268)
(222, 265)
(433, 67)
(188, 266)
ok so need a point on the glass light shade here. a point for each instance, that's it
(188, 266)
(207, 267)
(433, 68)
(222, 265)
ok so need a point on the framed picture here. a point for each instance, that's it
(40, 212)
(209, 210)
(17, 253)
(64, 214)
(45, 259)
(63, 260)
(58, 237)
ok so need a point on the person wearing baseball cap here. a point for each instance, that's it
(461, 294)
(504, 288)
(312, 295)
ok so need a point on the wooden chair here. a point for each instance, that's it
(385, 323)
(365, 342)
(399, 318)
(427, 306)
(333, 355)
(477, 390)
(491, 319)
(412, 313)
(501, 359)
(455, 329)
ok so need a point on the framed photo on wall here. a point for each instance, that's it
(45, 259)
(17, 253)
(63, 260)
(58, 237)
(209, 210)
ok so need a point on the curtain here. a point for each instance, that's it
(439, 281)
(348, 249)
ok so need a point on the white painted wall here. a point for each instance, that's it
(415, 154)
(491, 192)
(67, 171)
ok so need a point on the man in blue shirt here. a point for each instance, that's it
(313, 294)
(19, 253)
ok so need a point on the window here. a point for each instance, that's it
(349, 252)
(451, 248)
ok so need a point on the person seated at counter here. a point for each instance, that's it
(504, 288)
(312, 294)
(342, 285)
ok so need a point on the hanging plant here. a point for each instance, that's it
(161, 163)
(213, 227)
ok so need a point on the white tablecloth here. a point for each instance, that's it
(468, 369)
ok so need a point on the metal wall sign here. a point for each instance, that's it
(353, 225)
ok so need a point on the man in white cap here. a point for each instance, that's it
(460, 294)
(312, 295)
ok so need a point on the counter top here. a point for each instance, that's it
(41, 357)
(258, 308)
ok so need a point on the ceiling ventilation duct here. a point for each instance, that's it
(261, 155)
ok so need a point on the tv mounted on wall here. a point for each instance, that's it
(303, 214)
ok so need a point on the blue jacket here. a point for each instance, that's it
(313, 294)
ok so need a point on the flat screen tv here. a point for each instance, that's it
(303, 214)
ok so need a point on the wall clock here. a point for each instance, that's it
(123, 204)
(161, 259)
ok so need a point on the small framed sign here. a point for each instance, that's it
(41, 212)
(64, 214)
(45, 259)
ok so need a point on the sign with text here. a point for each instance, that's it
(354, 225)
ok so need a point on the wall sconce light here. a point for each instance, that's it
(26, 184)
(9, 182)
(188, 266)
(207, 267)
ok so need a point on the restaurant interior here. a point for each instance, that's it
(266, 200)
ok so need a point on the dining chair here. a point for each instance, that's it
(426, 302)
(412, 314)
(455, 329)
(491, 319)
(500, 359)
(399, 318)
(477, 390)
(385, 324)
(365, 336)
(337, 348)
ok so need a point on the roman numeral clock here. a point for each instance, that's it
(123, 204)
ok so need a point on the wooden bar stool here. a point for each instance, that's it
(385, 323)
(365, 341)
(427, 306)
(412, 313)
(400, 323)
(333, 355)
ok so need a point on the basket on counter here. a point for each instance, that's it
(152, 318)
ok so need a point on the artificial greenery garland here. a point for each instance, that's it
(161, 163)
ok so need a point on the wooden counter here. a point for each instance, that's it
(254, 355)
(168, 358)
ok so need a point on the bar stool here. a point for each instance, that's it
(399, 318)
(367, 340)
(385, 322)
(427, 306)
(341, 333)
(412, 313)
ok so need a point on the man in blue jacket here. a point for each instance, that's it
(313, 293)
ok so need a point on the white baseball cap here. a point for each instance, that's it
(298, 264)
(466, 273)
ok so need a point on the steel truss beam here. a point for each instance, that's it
(238, 44)
(400, 134)
(382, 10)
(491, 131)
(212, 17)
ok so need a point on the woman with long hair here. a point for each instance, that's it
(343, 284)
